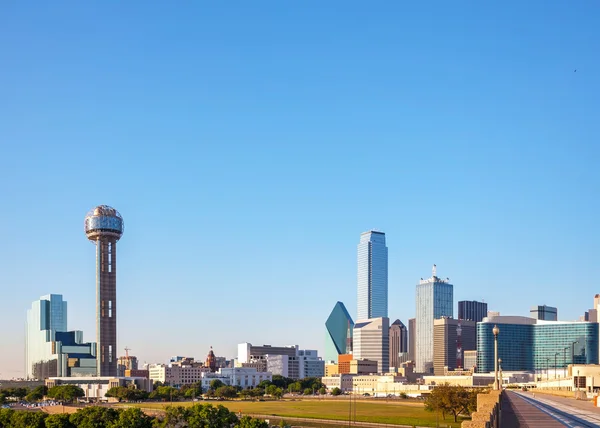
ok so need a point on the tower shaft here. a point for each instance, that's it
(106, 304)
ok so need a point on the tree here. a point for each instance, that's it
(175, 417)
(65, 392)
(37, 393)
(94, 417)
(165, 393)
(216, 383)
(322, 390)
(59, 420)
(132, 418)
(2, 398)
(308, 391)
(264, 384)
(295, 387)
(226, 392)
(5, 417)
(281, 382)
(193, 390)
(455, 400)
(22, 419)
(207, 416)
(248, 422)
(336, 391)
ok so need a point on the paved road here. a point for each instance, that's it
(523, 410)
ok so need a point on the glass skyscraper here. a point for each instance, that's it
(527, 344)
(339, 326)
(435, 299)
(372, 297)
(46, 317)
(472, 310)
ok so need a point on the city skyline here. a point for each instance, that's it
(247, 154)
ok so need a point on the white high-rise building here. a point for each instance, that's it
(372, 342)
(434, 300)
(372, 298)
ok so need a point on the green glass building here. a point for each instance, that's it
(339, 326)
(527, 344)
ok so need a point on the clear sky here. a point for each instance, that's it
(247, 145)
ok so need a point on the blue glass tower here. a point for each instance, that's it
(435, 299)
(526, 344)
(339, 326)
(372, 298)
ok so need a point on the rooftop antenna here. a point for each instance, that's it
(127, 352)
(434, 271)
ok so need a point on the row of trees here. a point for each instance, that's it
(452, 400)
(197, 416)
(62, 393)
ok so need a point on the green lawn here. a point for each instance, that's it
(397, 412)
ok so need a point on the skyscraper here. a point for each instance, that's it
(451, 338)
(472, 310)
(104, 227)
(46, 317)
(398, 342)
(543, 312)
(434, 300)
(371, 342)
(336, 336)
(372, 276)
(412, 338)
(51, 350)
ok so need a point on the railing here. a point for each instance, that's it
(488, 411)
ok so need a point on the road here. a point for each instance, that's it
(526, 410)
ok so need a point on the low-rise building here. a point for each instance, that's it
(331, 369)
(361, 367)
(95, 388)
(244, 377)
(176, 374)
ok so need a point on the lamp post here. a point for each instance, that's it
(500, 373)
(495, 330)
(547, 368)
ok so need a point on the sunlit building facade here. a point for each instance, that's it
(372, 276)
(527, 344)
(434, 300)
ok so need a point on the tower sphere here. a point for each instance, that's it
(103, 221)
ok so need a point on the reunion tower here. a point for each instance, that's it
(104, 227)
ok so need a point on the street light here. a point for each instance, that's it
(500, 373)
(495, 330)
(547, 368)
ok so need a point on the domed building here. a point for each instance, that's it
(211, 361)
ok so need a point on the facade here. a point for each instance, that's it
(412, 338)
(177, 375)
(331, 369)
(211, 361)
(360, 367)
(247, 352)
(543, 312)
(338, 332)
(95, 388)
(306, 364)
(46, 316)
(434, 300)
(104, 227)
(451, 338)
(372, 276)
(371, 342)
(398, 342)
(237, 376)
(470, 358)
(527, 344)
(51, 350)
(126, 362)
(472, 310)
(344, 363)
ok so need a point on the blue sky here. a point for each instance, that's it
(248, 145)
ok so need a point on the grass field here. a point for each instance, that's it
(397, 412)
